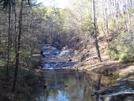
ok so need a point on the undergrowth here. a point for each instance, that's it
(122, 49)
(24, 90)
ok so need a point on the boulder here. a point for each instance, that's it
(124, 91)
(64, 53)
(118, 96)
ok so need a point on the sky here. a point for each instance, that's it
(58, 3)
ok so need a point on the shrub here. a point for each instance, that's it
(122, 52)
(123, 57)
(113, 55)
(28, 76)
(122, 48)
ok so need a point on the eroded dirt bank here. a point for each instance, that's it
(123, 73)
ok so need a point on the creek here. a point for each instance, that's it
(64, 84)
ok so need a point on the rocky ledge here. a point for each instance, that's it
(123, 91)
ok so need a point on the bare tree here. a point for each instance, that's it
(18, 47)
(95, 31)
(9, 41)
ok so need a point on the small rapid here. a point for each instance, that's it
(55, 59)
(60, 83)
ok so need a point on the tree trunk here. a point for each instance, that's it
(95, 32)
(18, 48)
(9, 42)
(15, 28)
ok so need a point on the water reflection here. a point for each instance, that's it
(61, 96)
(71, 86)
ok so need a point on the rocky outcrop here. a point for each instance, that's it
(124, 91)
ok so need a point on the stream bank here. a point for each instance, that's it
(123, 90)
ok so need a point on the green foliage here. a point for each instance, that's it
(63, 13)
(3, 53)
(25, 75)
(3, 62)
(25, 54)
(25, 57)
(123, 47)
(113, 55)
(124, 57)
(12, 55)
(28, 76)
(122, 52)
(87, 25)
(3, 48)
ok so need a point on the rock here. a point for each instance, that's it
(48, 50)
(120, 92)
(49, 64)
(55, 59)
(42, 54)
(70, 60)
(129, 98)
(117, 96)
(102, 91)
(64, 53)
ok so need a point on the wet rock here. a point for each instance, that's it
(55, 59)
(67, 64)
(48, 50)
(64, 53)
(55, 65)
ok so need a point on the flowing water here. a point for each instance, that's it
(66, 85)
